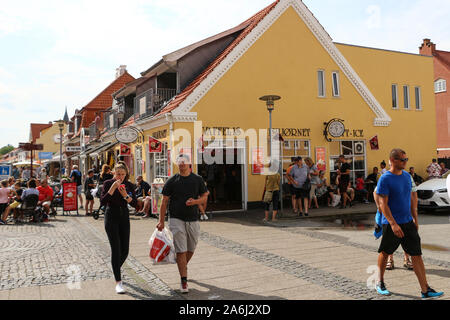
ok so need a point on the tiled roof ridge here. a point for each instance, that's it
(254, 21)
(108, 87)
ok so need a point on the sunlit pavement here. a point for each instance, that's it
(239, 257)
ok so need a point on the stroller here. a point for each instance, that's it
(101, 210)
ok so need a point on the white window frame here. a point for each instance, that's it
(440, 85)
(321, 81)
(396, 96)
(336, 94)
(406, 98)
(418, 97)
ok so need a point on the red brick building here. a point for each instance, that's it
(441, 80)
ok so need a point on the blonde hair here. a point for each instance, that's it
(123, 166)
(105, 169)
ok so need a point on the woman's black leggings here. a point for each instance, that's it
(117, 226)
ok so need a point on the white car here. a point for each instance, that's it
(433, 194)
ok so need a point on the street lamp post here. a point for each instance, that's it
(270, 103)
(61, 127)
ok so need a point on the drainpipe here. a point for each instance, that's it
(169, 119)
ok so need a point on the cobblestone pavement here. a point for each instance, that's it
(235, 259)
(67, 250)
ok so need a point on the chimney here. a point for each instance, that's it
(427, 48)
(121, 70)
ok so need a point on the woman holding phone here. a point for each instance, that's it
(117, 194)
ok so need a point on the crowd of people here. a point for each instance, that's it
(309, 188)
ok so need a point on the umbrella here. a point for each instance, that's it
(26, 164)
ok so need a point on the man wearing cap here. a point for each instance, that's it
(182, 193)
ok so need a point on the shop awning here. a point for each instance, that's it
(96, 152)
(55, 158)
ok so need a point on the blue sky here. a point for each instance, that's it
(57, 53)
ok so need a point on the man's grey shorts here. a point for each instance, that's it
(185, 234)
(79, 189)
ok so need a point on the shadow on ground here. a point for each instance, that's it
(216, 293)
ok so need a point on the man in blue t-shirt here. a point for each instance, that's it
(400, 222)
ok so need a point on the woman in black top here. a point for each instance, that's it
(104, 175)
(117, 194)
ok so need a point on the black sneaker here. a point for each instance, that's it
(431, 294)
(2, 222)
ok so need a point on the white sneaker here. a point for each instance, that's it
(205, 217)
(184, 287)
(201, 217)
(119, 288)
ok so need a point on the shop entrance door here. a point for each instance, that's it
(225, 176)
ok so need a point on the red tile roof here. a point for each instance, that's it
(102, 101)
(194, 84)
(36, 129)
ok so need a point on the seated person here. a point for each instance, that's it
(45, 195)
(143, 194)
(17, 200)
(332, 191)
(322, 188)
(351, 193)
(417, 179)
(361, 190)
(371, 180)
(31, 189)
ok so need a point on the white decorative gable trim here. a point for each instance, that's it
(161, 120)
(382, 118)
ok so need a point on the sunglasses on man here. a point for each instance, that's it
(403, 159)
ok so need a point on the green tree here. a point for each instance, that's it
(4, 150)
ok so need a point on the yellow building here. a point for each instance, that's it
(283, 50)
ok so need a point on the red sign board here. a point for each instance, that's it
(70, 196)
(154, 146)
(125, 150)
(257, 160)
(321, 159)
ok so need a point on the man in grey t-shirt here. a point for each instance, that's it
(297, 176)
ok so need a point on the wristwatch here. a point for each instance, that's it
(126, 198)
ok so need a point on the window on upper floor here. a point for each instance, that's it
(418, 95)
(440, 85)
(406, 100)
(336, 88)
(394, 96)
(321, 83)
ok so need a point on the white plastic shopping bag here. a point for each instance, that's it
(162, 249)
(336, 200)
(94, 192)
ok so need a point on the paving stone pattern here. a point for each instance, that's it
(343, 240)
(351, 288)
(150, 286)
(45, 254)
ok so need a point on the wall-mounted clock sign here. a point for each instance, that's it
(126, 135)
(336, 128)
